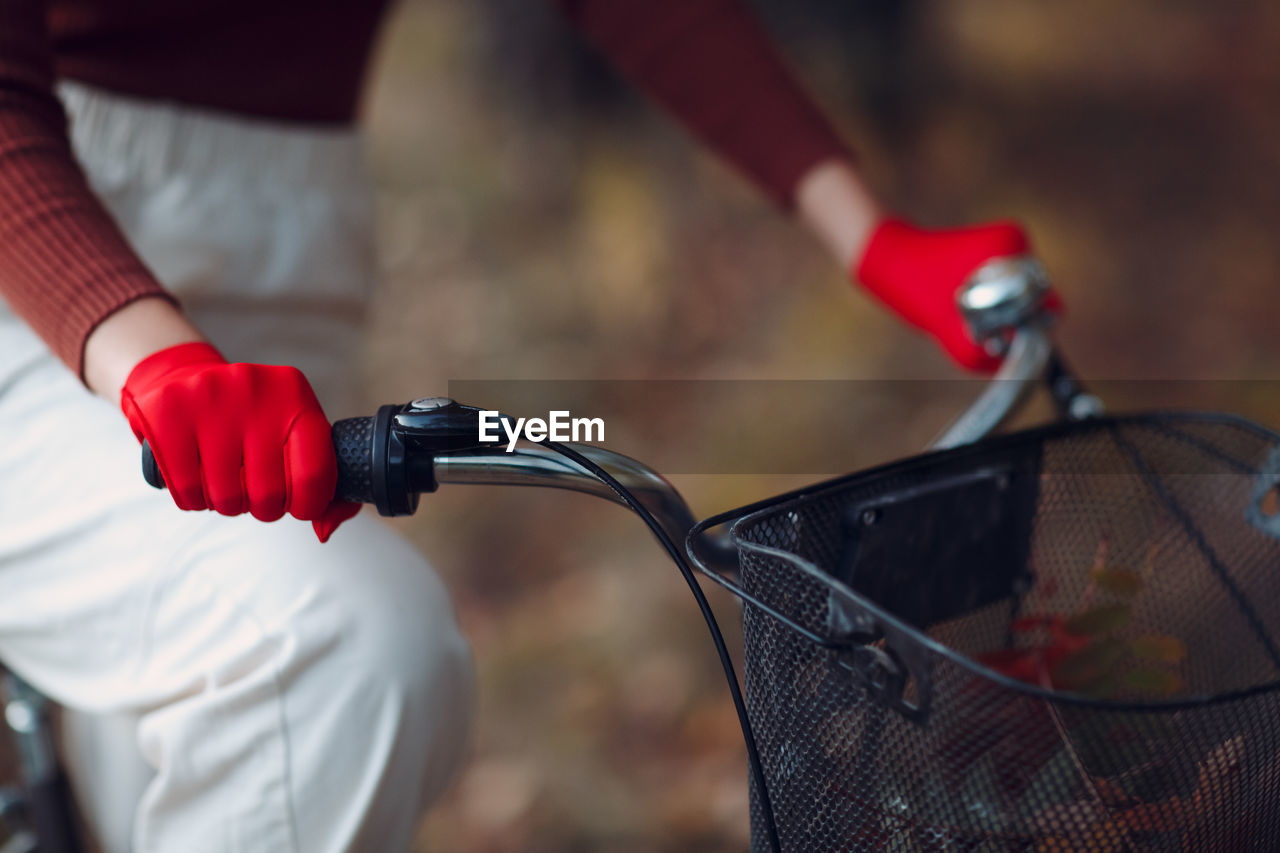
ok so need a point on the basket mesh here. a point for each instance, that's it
(1125, 580)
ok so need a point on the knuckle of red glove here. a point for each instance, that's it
(312, 466)
(292, 384)
(993, 240)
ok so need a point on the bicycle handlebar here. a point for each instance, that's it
(1027, 360)
(391, 458)
(402, 451)
(357, 442)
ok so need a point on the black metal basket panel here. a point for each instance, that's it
(1133, 560)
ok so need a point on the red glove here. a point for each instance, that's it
(917, 273)
(236, 437)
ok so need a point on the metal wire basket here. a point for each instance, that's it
(1062, 639)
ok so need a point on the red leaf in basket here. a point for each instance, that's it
(1057, 625)
(1022, 664)
(1027, 624)
(1063, 646)
(1063, 642)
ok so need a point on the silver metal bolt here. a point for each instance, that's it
(427, 404)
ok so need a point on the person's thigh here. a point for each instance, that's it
(322, 688)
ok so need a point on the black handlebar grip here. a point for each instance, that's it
(353, 444)
(150, 470)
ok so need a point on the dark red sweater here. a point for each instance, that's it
(64, 265)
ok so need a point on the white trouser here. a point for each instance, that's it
(236, 685)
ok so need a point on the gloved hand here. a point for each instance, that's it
(236, 437)
(917, 273)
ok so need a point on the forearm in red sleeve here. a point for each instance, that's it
(710, 63)
(64, 265)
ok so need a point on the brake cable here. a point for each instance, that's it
(722, 650)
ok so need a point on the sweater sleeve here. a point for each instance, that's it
(711, 65)
(64, 264)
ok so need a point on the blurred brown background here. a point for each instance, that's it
(539, 221)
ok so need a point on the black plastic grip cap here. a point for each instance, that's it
(150, 470)
(353, 444)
